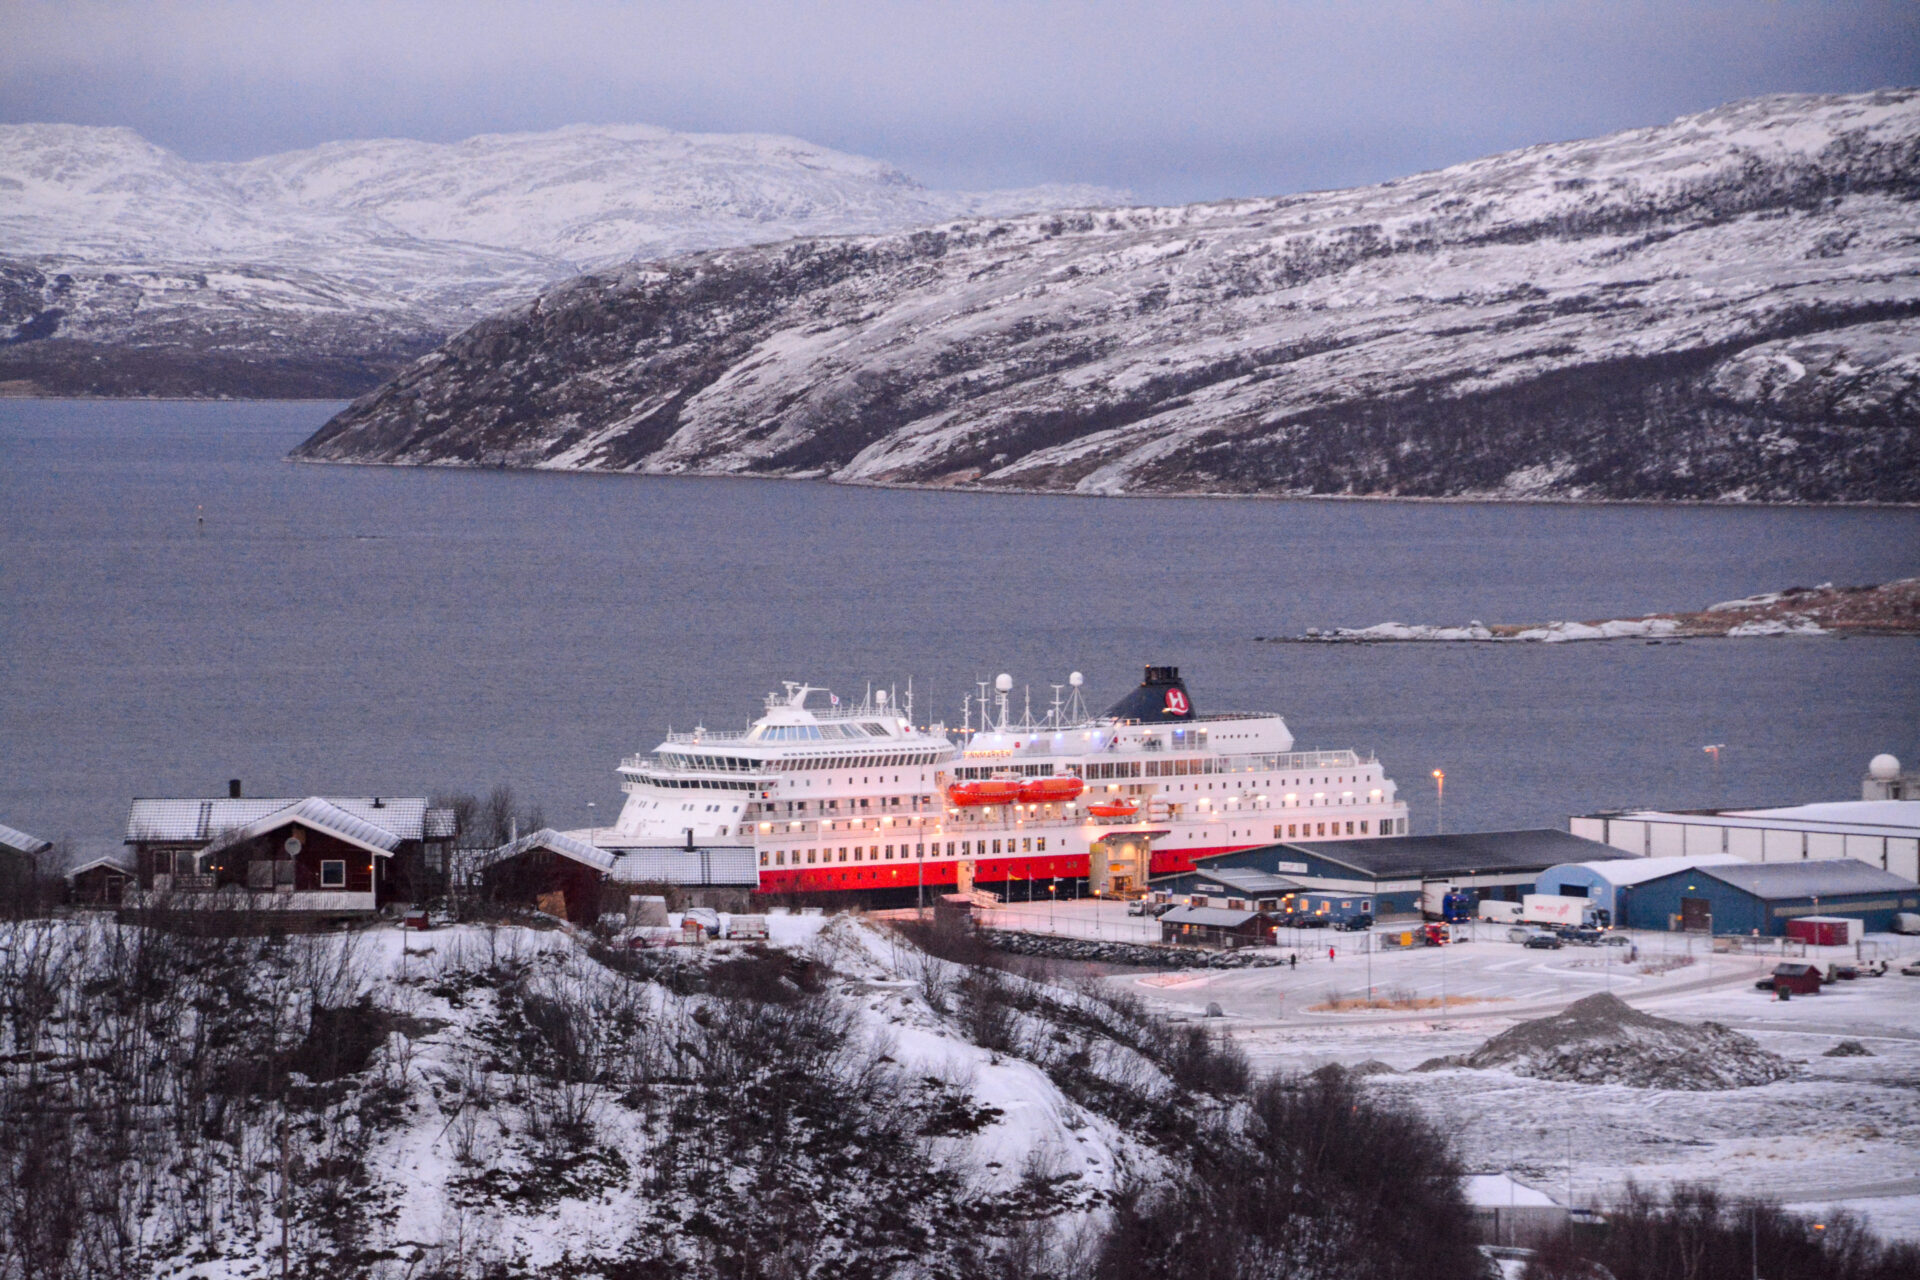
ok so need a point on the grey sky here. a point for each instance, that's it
(1177, 101)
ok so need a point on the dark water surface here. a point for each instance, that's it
(372, 630)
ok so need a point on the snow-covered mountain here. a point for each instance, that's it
(356, 255)
(1724, 307)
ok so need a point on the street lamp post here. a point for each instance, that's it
(1719, 792)
(1440, 796)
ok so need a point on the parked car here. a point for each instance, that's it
(1584, 936)
(1138, 907)
(1544, 942)
(1617, 940)
(1911, 970)
(1519, 935)
(1356, 924)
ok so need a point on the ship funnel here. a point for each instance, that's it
(1161, 696)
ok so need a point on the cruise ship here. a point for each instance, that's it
(855, 797)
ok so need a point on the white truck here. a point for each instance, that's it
(1551, 908)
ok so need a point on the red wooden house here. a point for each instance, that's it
(316, 857)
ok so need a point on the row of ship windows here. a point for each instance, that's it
(1108, 770)
(885, 853)
(1308, 830)
(815, 732)
(748, 764)
(1034, 844)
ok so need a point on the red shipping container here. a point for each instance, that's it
(1825, 931)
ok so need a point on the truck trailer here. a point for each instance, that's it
(1551, 908)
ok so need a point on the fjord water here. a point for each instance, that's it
(400, 631)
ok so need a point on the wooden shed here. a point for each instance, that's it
(552, 872)
(102, 882)
(1215, 927)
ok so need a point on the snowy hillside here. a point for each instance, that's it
(492, 1100)
(374, 251)
(1726, 307)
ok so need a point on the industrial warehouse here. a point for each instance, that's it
(1401, 874)
(1762, 897)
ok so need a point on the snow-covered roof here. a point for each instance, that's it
(178, 819)
(1213, 917)
(712, 865)
(1634, 870)
(1497, 1190)
(1841, 817)
(439, 824)
(557, 842)
(1244, 880)
(20, 841)
(1485, 852)
(112, 861)
(1818, 878)
(321, 815)
(1903, 814)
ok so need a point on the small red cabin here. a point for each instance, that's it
(1800, 979)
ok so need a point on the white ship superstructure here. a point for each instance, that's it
(856, 797)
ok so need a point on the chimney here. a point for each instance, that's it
(377, 804)
(689, 839)
(233, 788)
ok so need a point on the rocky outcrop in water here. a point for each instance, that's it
(1723, 308)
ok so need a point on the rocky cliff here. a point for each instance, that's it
(1726, 307)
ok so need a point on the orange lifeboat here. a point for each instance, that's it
(992, 791)
(1113, 809)
(1050, 790)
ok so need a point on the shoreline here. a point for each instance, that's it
(1887, 609)
(1015, 491)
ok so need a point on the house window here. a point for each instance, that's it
(333, 874)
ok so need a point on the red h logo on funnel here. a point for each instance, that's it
(1177, 702)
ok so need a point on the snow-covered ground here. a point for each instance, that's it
(703, 1086)
(444, 231)
(1845, 1131)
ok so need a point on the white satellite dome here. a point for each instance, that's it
(1003, 682)
(1885, 767)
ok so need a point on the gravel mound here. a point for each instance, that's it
(1601, 1040)
(1848, 1049)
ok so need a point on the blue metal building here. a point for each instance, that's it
(1761, 897)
